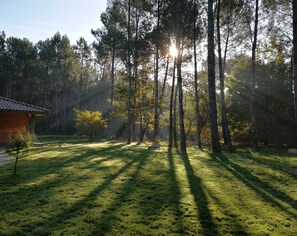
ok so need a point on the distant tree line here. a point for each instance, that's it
(51, 74)
(231, 80)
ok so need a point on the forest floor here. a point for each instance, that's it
(77, 187)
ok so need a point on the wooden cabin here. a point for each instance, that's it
(16, 117)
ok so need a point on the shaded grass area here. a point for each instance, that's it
(76, 187)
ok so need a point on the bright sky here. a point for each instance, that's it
(41, 19)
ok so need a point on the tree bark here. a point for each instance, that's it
(253, 81)
(174, 118)
(182, 133)
(165, 80)
(197, 111)
(171, 108)
(216, 146)
(129, 72)
(134, 114)
(225, 126)
(112, 75)
(294, 3)
(156, 112)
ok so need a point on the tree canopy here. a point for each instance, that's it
(231, 81)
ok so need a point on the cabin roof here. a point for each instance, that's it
(9, 105)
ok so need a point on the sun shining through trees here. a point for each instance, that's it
(173, 51)
(60, 76)
(186, 84)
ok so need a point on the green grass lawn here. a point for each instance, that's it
(75, 187)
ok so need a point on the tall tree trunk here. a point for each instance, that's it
(171, 108)
(156, 112)
(140, 123)
(197, 112)
(175, 118)
(112, 75)
(294, 2)
(225, 126)
(134, 115)
(253, 80)
(165, 80)
(182, 134)
(80, 85)
(64, 112)
(129, 72)
(216, 146)
(103, 74)
(141, 120)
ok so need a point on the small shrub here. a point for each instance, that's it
(29, 139)
(89, 122)
(20, 141)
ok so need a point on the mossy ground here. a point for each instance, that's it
(76, 187)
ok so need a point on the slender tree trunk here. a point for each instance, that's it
(294, 2)
(129, 72)
(140, 125)
(225, 126)
(134, 115)
(174, 118)
(156, 113)
(266, 121)
(197, 111)
(80, 84)
(16, 161)
(253, 81)
(112, 75)
(216, 146)
(291, 102)
(165, 80)
(56, 109)
(103, 74)
(182, 133)
(171, 108)
(141, 136)
(189, 129)
(64, 113)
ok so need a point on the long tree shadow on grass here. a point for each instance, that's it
(209, 227)
(175, 191)
(88, 201)
(264, 190)
(103, 226)
(269, 163)
(238, 228)
(42, 167)
(21, 197)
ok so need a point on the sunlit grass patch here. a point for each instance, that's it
(77, 187)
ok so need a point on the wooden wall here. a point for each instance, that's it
(10, 122)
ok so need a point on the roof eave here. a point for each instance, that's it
(26, 112)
